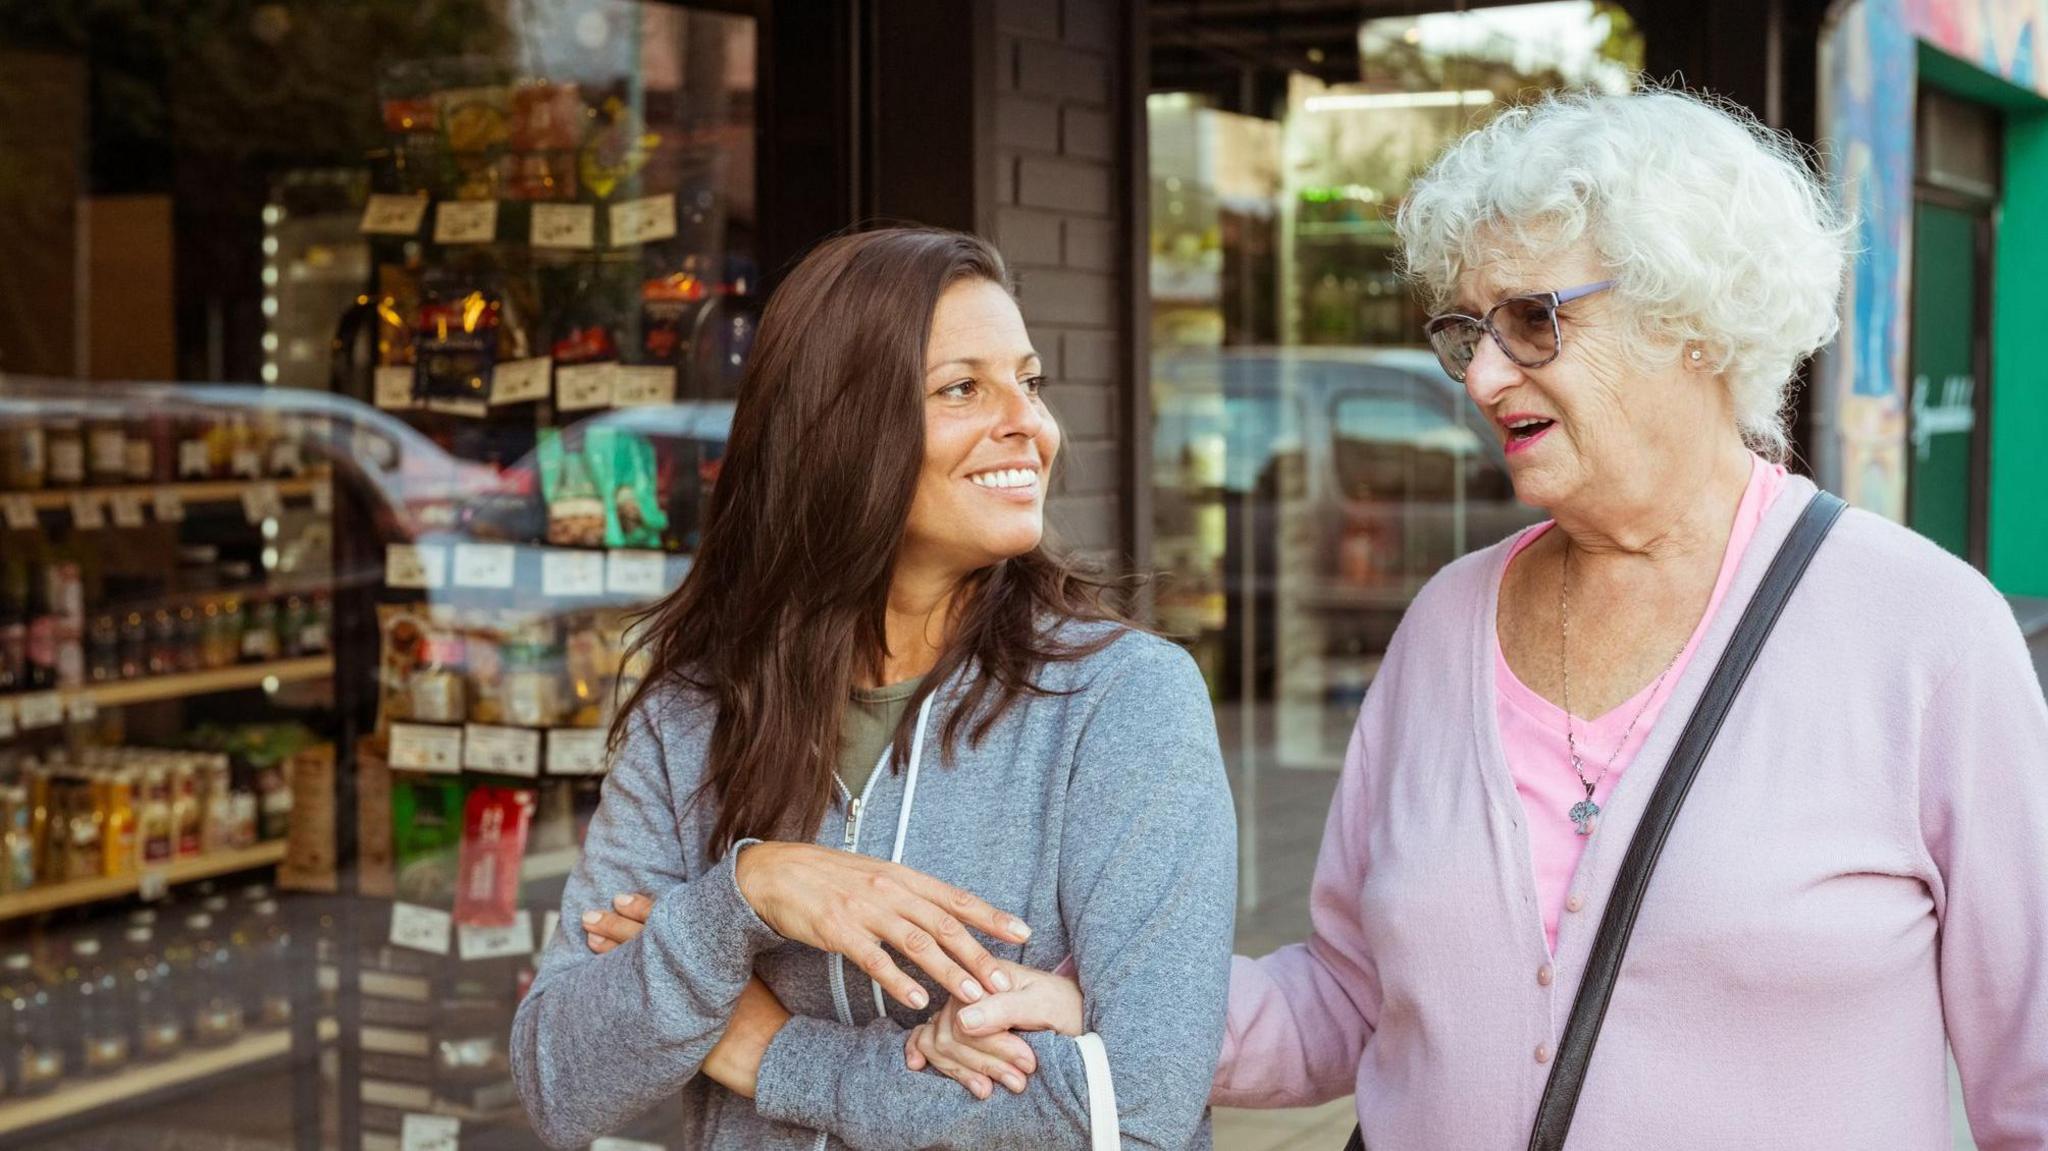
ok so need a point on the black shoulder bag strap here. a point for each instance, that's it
(1575, 1050)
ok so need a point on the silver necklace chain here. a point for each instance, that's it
(1586, 813)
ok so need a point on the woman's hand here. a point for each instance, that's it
(852, 904)
(735, 1063)
(972, 1044)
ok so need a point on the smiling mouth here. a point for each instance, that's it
(1528, 428)
(1006, 479)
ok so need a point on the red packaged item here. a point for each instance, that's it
(494, 824)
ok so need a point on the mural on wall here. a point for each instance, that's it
(1869, 72)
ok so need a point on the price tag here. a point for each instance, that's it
(393, 215)
(88, 511)
(576, 751)
(484, 565)
(127, 509)
(261, 501)
(643, 221)
(564, 226)
(43, 709)
(170, 506)
(639, 387)
(579, 387)
(518, 381)
(503, 750)
(466, 222)
(19, 511)
(393, 387)
(515, 938)
(323, 498)
(82, 708)
(430, 1132)
(6, 719)
(636, 573)
(415, 565)
(566, 572)
(426, 747)
(614, 1143)
(153, 884)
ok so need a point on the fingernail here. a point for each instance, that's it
(971, 1017)
(971, 991)
(918, 998)
(592, 918)
(622, 902)
(1020, 929)
(982, 1090)
(1000, 980)
(1015, 1084)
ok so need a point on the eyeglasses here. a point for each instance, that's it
(1527, 329)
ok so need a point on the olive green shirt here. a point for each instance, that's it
(868, 726)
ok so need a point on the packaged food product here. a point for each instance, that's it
(495, 821)
(576, 509)
(623, 466)
(426, 836)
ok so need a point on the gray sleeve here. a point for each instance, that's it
(1148, 886)
(600, 1039)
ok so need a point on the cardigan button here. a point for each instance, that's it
(1544, 975)
(1575, 904)
(1543, 1053)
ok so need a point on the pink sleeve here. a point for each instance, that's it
(1984, 816)
(1299, 1017)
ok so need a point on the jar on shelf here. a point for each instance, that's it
(138, 464)
(33, 1031)
(97, 1013)
(159, 1028)
(216, 1015)
(106, 450)
(156, 828)
(66, 454)
(24, 456)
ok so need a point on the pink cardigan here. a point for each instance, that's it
(1863, 856)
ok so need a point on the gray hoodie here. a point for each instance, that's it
(1102, 818)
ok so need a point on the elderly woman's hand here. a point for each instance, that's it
(851, 904)
(973, 1044)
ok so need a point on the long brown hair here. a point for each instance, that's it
(785, 605)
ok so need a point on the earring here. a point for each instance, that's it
(1695, 355)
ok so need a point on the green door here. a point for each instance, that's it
(1947, 385)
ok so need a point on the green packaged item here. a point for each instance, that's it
(576, 514)
(426, 836)
(623, 465)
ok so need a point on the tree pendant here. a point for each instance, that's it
(1586, 814)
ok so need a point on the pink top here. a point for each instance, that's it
(1532, 730)
(1860, 873)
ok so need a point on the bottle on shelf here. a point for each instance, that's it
(96, 1009)
(34, 1033)
(159, 1029)
(106, 451)
(24, 463)
(216, 1007)
(41, 638)
(66, 454)
(13, 631)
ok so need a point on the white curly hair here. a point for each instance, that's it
(1718, 230)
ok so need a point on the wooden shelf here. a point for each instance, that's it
(150, 689)
(78, 892)
(194, 1065)
(195, 492)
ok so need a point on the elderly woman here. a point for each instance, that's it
(1625, 285)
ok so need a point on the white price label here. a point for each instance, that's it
(430, 1132)
(43, 709)
(564, 226)
(576, 751)
(415, 565)
(466, 222)
(579, 387)
(127, 509)
(518, 381)
(567, 572)
(515, 938)
(20, 512)
(503, 750)
(640, 387)
(82, 708)
(261, 502)
(614, 1143)
(484, 565)
(393, 387)
(323, 498)
(6, 719)
(426, 747)
(393, 215)
(88, 511)
(636, 573)
(643, 221)
(170, 506)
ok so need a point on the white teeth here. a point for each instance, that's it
(1006, 478)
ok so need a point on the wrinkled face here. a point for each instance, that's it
(989, 441)
(1594, 423)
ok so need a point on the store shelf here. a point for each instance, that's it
(191, 1067)
(197, 492)
(160, 687)
(51, 897)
